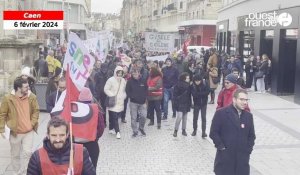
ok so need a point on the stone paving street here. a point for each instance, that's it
(277, 149)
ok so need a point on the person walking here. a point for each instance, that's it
(200, 90)
(170, 77)
(182, 102)
(155, 92)
(115, 88)
(136, 90)
(20, 112)
(100, 81)
(92, 147)
(54, 96)
(54, 156)
(212, 74)
(232, 131)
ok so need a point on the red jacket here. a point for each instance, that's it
(225, 97)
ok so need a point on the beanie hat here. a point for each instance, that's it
(231, 78)
(26, 71)
(85, 95)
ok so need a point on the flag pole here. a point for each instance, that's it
(71, 163)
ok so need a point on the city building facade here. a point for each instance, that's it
(196, 17)
(270, 28)
(18, 47)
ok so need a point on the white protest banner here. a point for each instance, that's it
(80, 61)
(159, 42)
(158, 58)
(91, 44)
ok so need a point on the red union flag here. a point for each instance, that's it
(84, 117)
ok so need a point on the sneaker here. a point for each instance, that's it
(134, 134)
(118, 136)
(111, 132)
(211, 102)
(204, 135)
(142, 132)
(164, 118)
(124, 121)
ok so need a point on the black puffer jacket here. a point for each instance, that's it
(200, 93)
(182, 96)
(59, 157)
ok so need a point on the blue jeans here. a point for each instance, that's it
(168, 95)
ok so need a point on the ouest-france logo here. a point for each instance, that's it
(268, 19)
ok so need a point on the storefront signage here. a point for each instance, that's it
(159, 42)
(268, 19)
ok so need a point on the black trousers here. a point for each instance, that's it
(93, 149)
(113, 120)
(203, 117)
(249, 79)
(154, 105)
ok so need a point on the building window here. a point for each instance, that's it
(181, 5)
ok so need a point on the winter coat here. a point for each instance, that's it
(213, 73)
(100, 81)
(51, 99)
(213, 60)
(182, 97)
(137, 90)
(9, 115)
(200, 93)
(264, 67)
(236, 134)
(225, 97)
(155, 88)
(59, 157)
(170, 76)
(111, 89)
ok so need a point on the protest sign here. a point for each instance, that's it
(159, 42)
(158, 58)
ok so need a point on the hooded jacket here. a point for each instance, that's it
(111, 88)
(9, 115)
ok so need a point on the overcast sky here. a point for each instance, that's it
(107, 6)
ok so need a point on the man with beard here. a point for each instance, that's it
(20, 112)
(54, 156)
(232, 131)
(54, 96)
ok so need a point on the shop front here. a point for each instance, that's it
(275, 33)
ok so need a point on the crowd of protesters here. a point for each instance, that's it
(183, 80)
